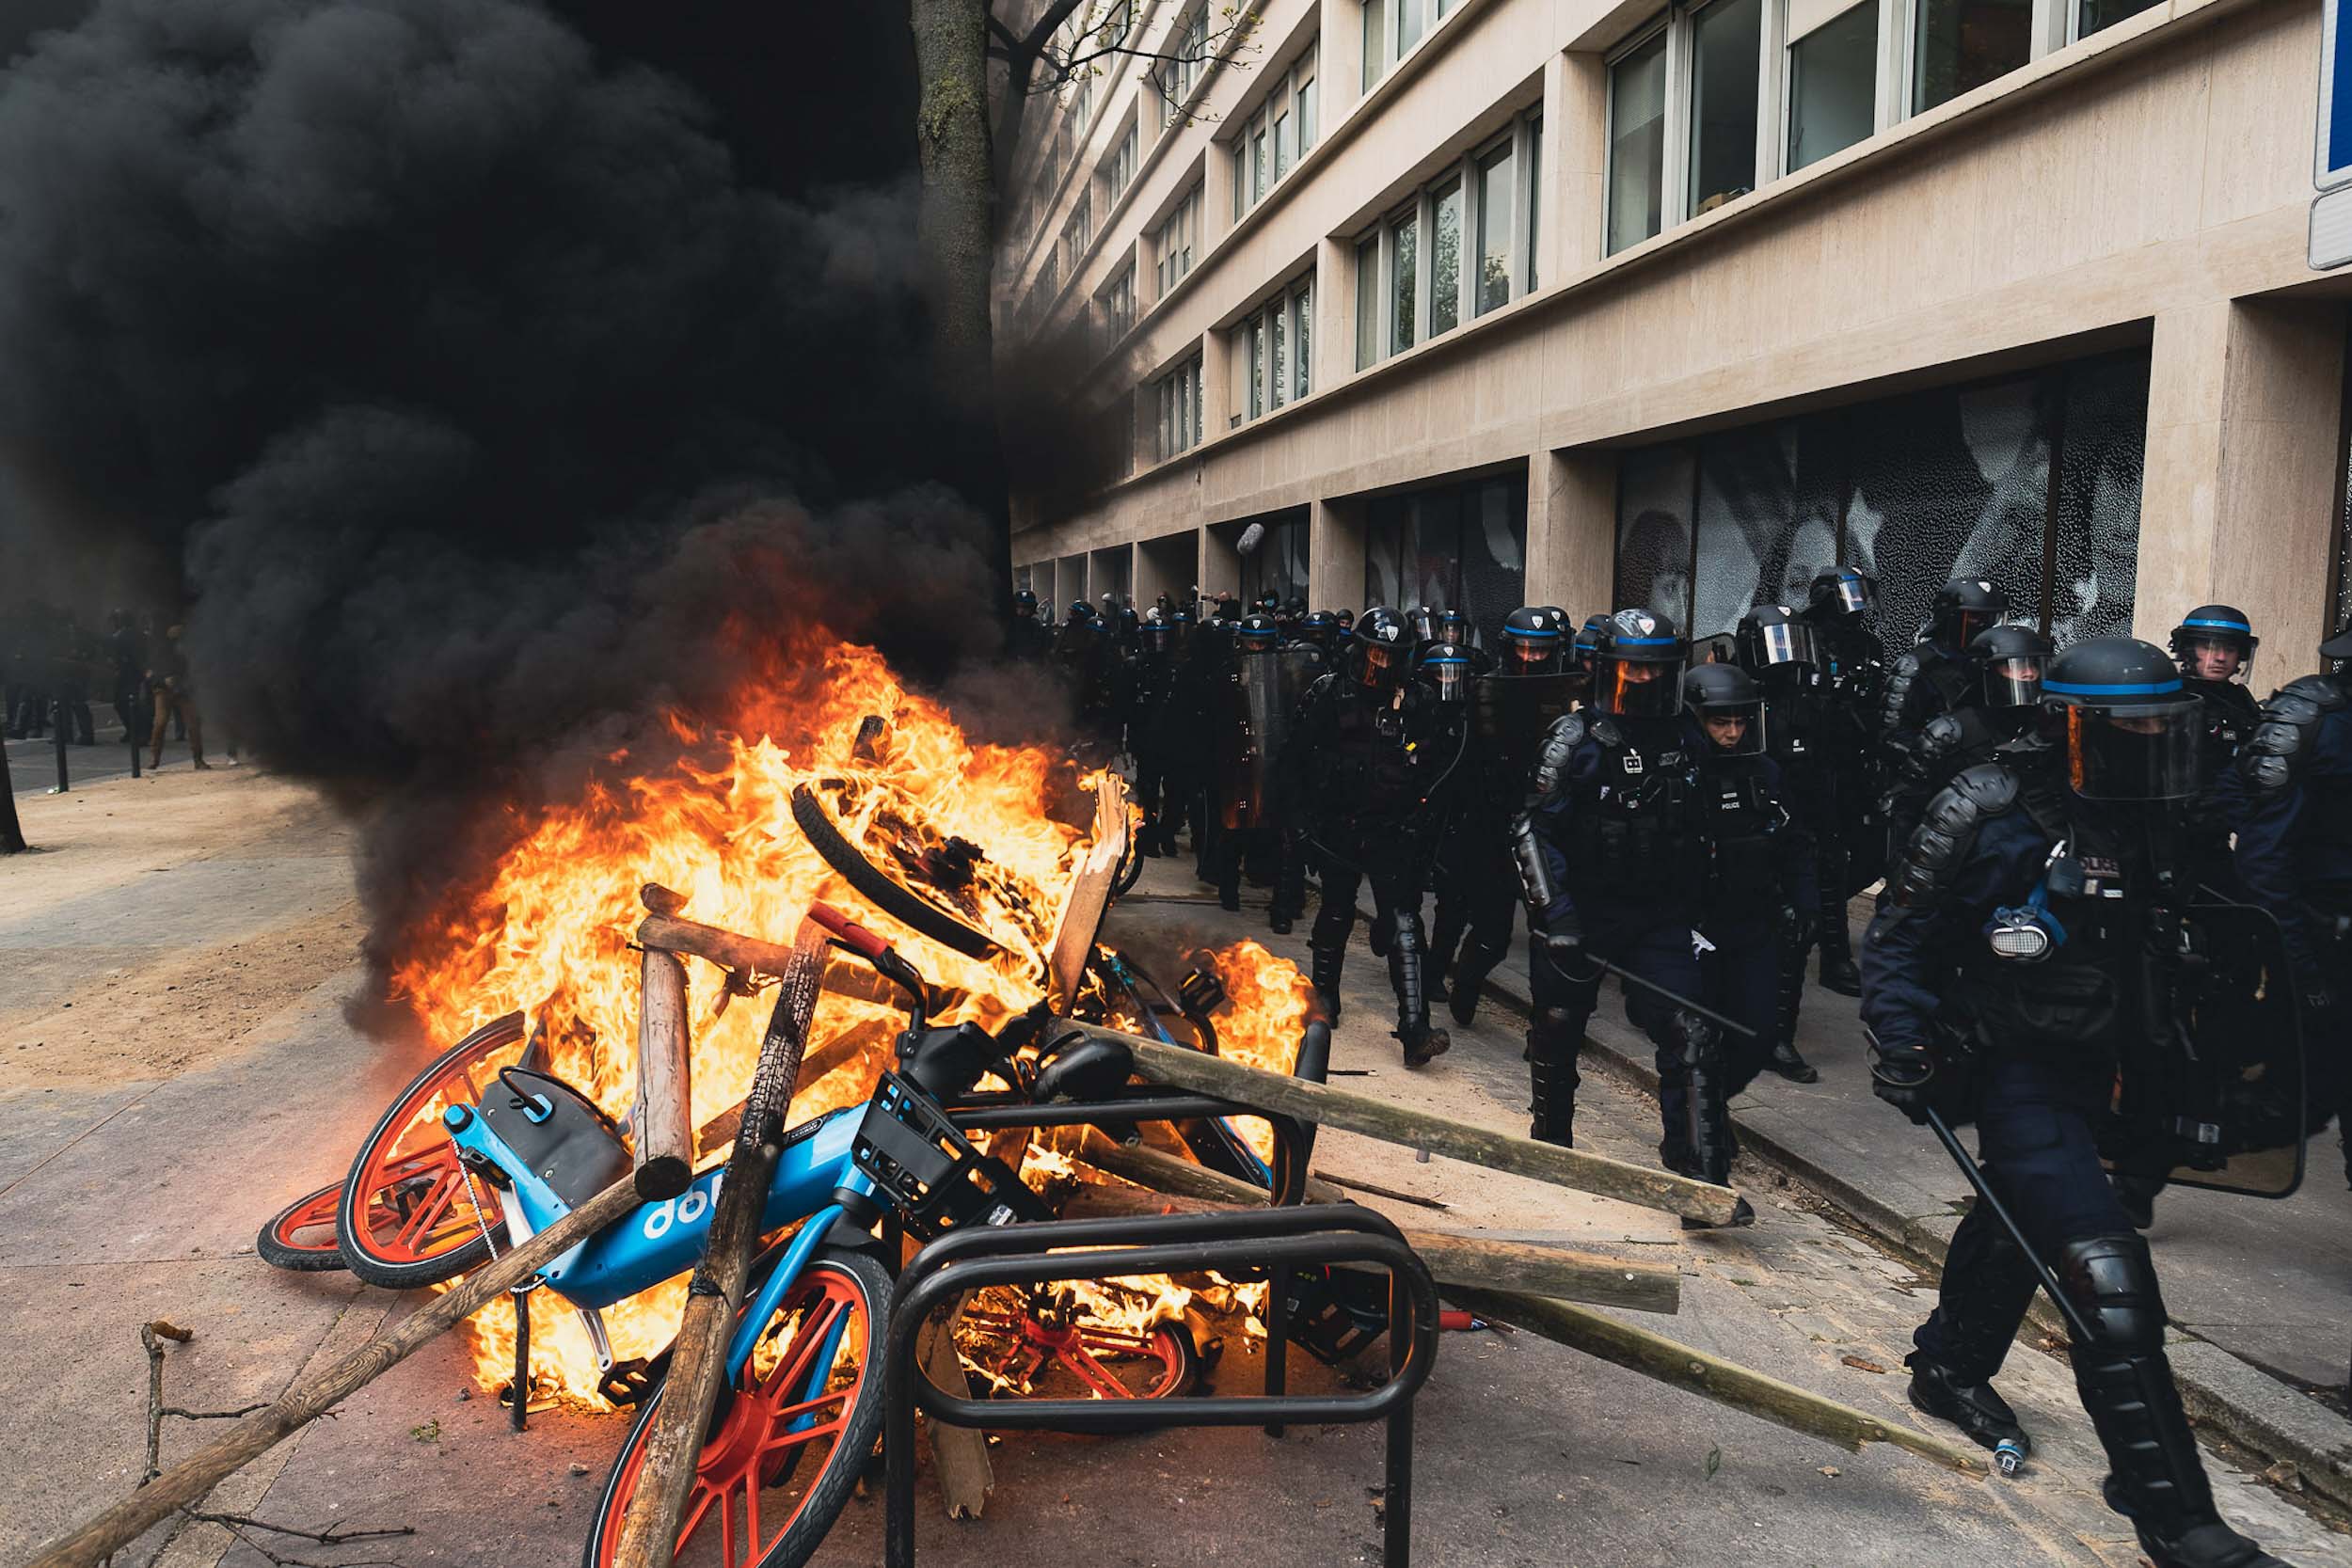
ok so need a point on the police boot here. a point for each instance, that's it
(1324, 966)
(1228, 873)
(1784, 1059)
(1290, 890)
(2156, 1477)
(1413, 1032)
(1551, 1075)
(1838, 973)
(1704, 1142)
(1470, 976)
(1988, 1284)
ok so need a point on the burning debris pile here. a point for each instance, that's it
(979, 828)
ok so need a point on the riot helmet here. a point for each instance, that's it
(1531, 643)
(1843, 591)
(1587, 638)
(1023, 605)
(1446, 666)
(1728, 704)
(1770, 637)
(1318, 627)
(1638, 657)
(2011, 661)
(1257, 635)
(1381, 653)
(1964, 607)
(1180, 629)
(2132, 732)
(1157, 636)
(2216, 642)
(1422, 619)
(1128, 623)
(1453, 626)
(1080, 613)
(1554, 617)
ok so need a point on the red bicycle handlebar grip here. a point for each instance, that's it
(853, 935)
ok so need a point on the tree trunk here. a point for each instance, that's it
(955, 230)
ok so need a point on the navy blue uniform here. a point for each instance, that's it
(1760, 886)
(1618, 828)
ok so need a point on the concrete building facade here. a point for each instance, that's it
(1482, 302)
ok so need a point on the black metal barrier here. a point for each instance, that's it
(1242, 1240)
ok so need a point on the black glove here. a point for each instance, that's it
(1803, 926)
(1904, 1077)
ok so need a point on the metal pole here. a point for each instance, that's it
(131, 728)
(11, 832)
(57, 731)
(2075, 1323)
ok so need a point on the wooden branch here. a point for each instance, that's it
(698, 1357)
(1455, 1257)
(664, 1124)
(1089, 894)
(1178, 1067)
(185, 1483)
(1727, 1382)
(744, 955)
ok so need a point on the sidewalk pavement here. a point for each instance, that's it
(33, 764)
(2262, 1289)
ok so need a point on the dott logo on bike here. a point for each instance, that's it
(688, 1209)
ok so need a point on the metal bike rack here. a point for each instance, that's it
(1277, 1240)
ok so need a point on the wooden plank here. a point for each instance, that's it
(1089, 893)
(1181, 1069)
(665, 1123)
(1727, 1382)
(1455, 1257)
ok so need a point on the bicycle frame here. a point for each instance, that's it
(658, 1240)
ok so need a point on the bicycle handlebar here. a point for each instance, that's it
(856, 938)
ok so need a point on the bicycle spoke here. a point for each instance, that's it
(437, 1203)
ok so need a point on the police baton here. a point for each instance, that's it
(1602, 966)
(2075, 1323)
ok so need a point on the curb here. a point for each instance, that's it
(2255, 1410)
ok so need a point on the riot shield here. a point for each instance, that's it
(2222, 1103)
(1249, 734)
(1509, 715)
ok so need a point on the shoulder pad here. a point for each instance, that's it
(1607, 732)
(1899, 676)
(2274, 755)
(1941, 735)
(1551, 759)
(1947, 830)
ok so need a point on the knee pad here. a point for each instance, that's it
(1695, 1042)
(1406, 927)
(2112, 1282)
(1334, 920)
(1554, 1033)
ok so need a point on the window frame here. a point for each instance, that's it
(1177, 410)
(1251, 348)
(1523, 138)
(1265, 122)
(1186, 212)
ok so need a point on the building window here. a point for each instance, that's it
(1726, 39)
(1119, 172)
(1048, 284)
(1535, 162)
(1833, 77)
(1187, 51)
(1376, 47)
(1463, 246)
(1393, 28)
(1455, 546)
(1118, 304)
(1279, 564)
(1270, 352)
(1179, 400)
(2096, 15)
(1637, 143)
(2029, 482)
(1959, 45)
(1175, 241)
(1279, 132)
(1082, 105)
(1079, 231)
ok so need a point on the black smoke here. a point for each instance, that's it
(482, 399)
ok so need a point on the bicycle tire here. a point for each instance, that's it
(829, 1492)
(887, 894)
(276, 1243)
(354, 1235)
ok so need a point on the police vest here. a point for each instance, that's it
(1635, 834)
(2102, 983)
(1740, 820)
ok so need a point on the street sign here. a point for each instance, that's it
(2331, 228)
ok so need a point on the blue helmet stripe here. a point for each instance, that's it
(1645, 642)
(2123, 688)
(2219, 625)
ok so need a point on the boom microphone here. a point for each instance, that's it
(1251, 537)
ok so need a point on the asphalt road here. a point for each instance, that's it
(140, 1148)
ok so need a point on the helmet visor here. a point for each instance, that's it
(1531, 655)
(1376, 663)
(1856, 594)
(2147, 752)
(1450, 675)
(1789, 643)
(1968, 624)
(2013, 682)
(1636, 689)
(1733, 729)
(2211, 655)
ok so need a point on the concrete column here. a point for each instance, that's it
(1572, 531)
(1221, 563)
(1335, 312)
(1573, 207)
(2242, 482)
(1340, 66)
(1335, 554)
(1217, 195)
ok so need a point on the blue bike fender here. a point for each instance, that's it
(803, 1245)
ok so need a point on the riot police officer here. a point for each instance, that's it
(1801, 723)
(1933, 677)
(1759, 870)
(1841, 606)
(1511, 709)
(1028, 638)
(1154, 732)
(1361, 767)
(2001, 700)
(1613, 861)
(2027, 948)
(2293, 857)
(2215, 644)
